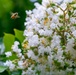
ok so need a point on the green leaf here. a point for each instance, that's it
(19, 35)
(69, 13)
(74, 47)
(52, 4)
(8, 41)
(57, 63)
(3, 68)
(5, 73)
(74, 24)
(19, 72)
(70, 73)
(61, 16)
(13, 57)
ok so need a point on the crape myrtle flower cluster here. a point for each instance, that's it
(49, 47)
(17, 63)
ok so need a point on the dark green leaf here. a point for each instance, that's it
(4, 73)
(19, 72)
(61, 16)
(52, 4)
(74, 24)
(74, 47)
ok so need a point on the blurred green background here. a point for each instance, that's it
(7, 24)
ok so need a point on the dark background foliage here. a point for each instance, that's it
(6, 7)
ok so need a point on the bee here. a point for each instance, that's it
(15, 15)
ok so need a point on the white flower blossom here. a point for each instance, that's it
(19, 54)
(53, 26)
(15, 46)
(28, 33)
(74, 33)
(8, 54)
(10, 65)
(20, 64)
(34, 40)
(51, 40)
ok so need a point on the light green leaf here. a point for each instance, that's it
(8, 41)
(19, 35)
(3, 68)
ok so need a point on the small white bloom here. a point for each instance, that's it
(68, 1)
(49, 11)
(47, 32)
(73, 20)
(7, 63)
(22, 57)
(37, 5)
(16, 43)
(34, 40)
(30, 53)
(57, 1)
(15, 46)
(74, 33)
(28, 33)
(60, 12)
(20, 64)
(45, 2)
(19, 55)
(55, 41)
(41, 50)
(53, 26)
(8, 54)
(10, 65)
(41, 32)
(55, 19)
(28, 12)
(17, 50)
